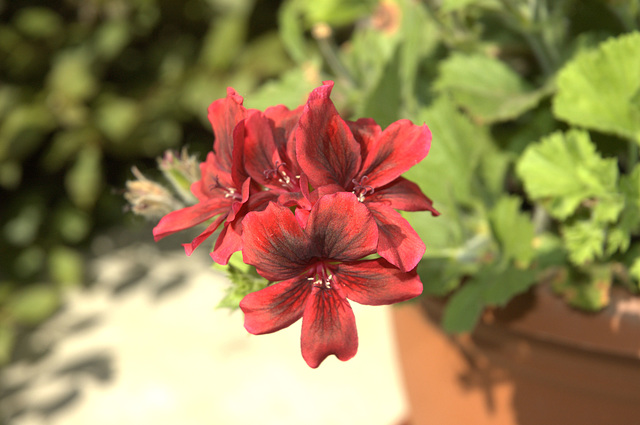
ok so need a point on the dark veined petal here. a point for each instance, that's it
(400, 146)
(341, 228)
(398, 243)
(283, 122)
(275, 243)
(328, 327)
(376, 282)
(213, 181)
(403, 194)
(260, 151)
(326, 149)
(224, 115)
(275, 307)
(366, 131)
(190, 216)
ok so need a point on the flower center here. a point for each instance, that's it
(360, 189)
(321, 278)
(229, 192)
(280, 174)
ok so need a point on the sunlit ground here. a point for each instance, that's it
(144, 345)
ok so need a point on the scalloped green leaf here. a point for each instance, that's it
(486, 87)
(565, 169)
(584, 240)
(600, 88)
(513, 229)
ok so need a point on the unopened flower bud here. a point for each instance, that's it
(181, 171)
(148, 198)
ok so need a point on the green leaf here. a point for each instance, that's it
(634, 270)
(224, 40)
(23, 129)
(463, 309)
(292, 30)
(566, 170)
(71, 75)
(383, 102)
(588, 289)
(291, 90)
(65, 146)
(111, 38)
(492, 286)
(84, 179)
(117, 117)
(619, 237)
(458, 146)
(453, 5)
(66, 266)
(584, 240)
(7, 337)
(336, 12)
(38, 22)
(513, 229)
(597, 88)
(33, 304)
(486, 87)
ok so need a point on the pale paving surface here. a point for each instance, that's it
(158, 353)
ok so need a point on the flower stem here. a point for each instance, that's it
(323, 35)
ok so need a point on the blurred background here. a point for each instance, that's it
(98, 324)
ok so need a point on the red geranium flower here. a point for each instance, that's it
(269, 154)
(223, 186)
(359, 157)
(318, 267)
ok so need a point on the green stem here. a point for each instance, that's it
(329, 50)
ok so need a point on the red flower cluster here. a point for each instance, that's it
(311, 201)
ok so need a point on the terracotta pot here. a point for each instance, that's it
(534, 362)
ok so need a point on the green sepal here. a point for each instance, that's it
(243, 278)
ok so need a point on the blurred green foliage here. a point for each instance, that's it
(89, 88)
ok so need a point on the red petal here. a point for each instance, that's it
(190, 247)
(402, 194)
(190, 216)
(275, 307)
(283, 122)
(400, 146)
(326, 149)
(260, 153)
(366, 131)
(213, 181)
(228, 242)
(328, 327)
(398, 243)
(224, 114)
(341, 228)
(376, 282)
(275, 243)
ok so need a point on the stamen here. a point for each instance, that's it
(360, 189)
(282, 176)
(320, 281)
